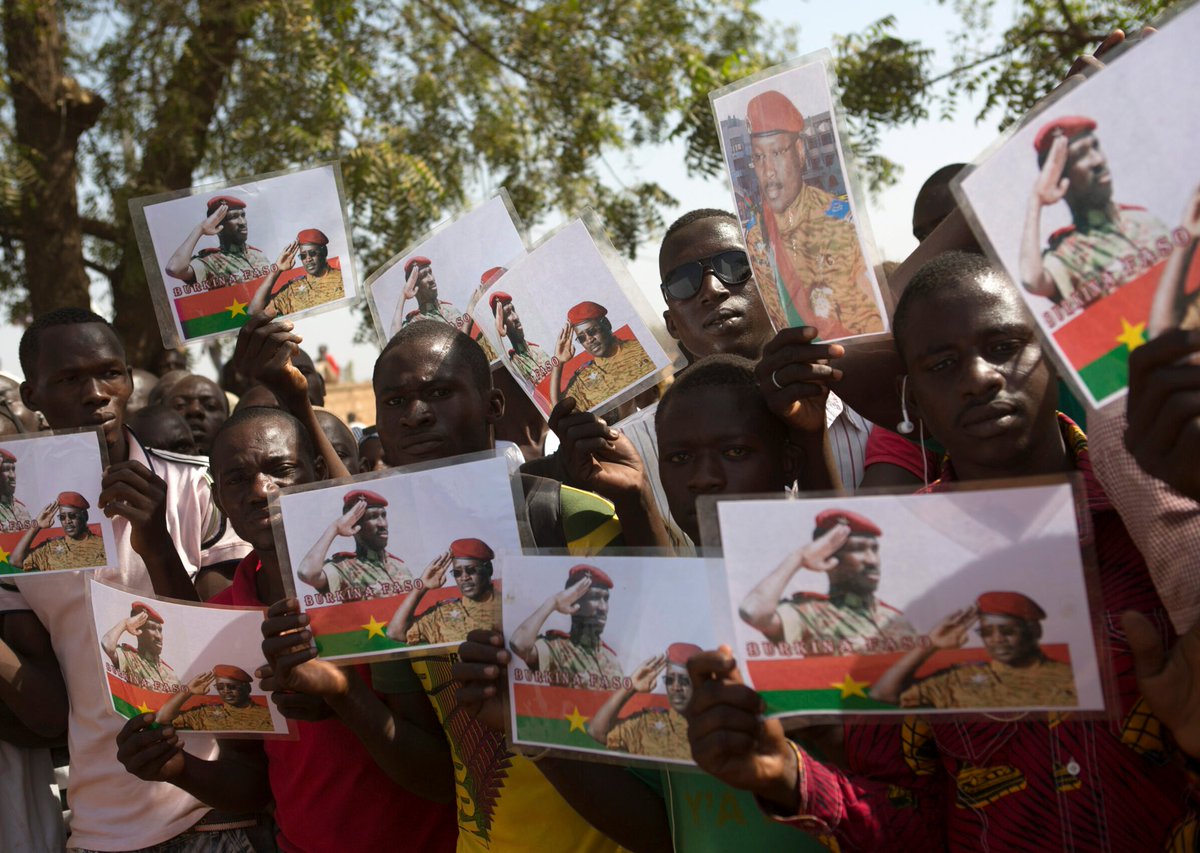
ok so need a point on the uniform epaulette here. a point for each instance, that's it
(607, 646)
(170, 456)
(411, 314)
(511, 353)
(558, 635)
(1061, 234)
(255, 248)
(343, 555)
(128, 648)
(802, 596)
(204, 252)
(1131, 207)
(889, 607)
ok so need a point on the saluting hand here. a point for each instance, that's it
(202, 683)
(564, 349)
(501, 326)
(646, 675)
(1051, 184)
(820, 554)
(567, 600)
(212, 224)
(45, 519)
(410, 283)
(434, 576)
(133, 624)
(288, 256)
(347, 525)
(951, 632)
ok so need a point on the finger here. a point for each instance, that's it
(484, 647)
(475, 673)
(150, 759)
(288, 623)
(798, 354)
(716, 748)
(1113, 39)
(274, 648)
(714, 664)
(283, 607)
(284, 664)
(562, 409)
(1149, 656)
(135, 725)
(798, 335)
(727, 718)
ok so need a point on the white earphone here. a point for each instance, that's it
(905, 426)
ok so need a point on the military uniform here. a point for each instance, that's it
(134, 666)
(812, 617)
(556, 653)
(818, 268)
(348, 571)
(225, 718)
(601, 378)
(660, 732)
(994, 685)
(450, 621)
(1082, 253)
(63, 552)
(533, 363)
(451, 316)
(236, 261)
(14, 516)
(309, 291)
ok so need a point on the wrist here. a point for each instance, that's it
(782, 793)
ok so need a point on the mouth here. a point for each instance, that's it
(723, 319)
(987, 421)
(422, 445)
(773, 190)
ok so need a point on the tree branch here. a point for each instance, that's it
(100, 229)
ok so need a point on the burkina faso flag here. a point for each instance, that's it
(224, 309)
(558, 716)
(8, 541)
(360, 627)
(129, 700)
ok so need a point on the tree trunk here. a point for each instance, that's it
(51, 111)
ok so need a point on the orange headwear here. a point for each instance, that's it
(1010, 604)
(357, 495)
(680, 653)
(313, 236)
(859, 525)
(234, 673)
(143, 607)
(1068, 126)
(599, 578)
(73, 499)
(585, 311)
(414, 261)
(232, 202)
(773, 112)
(471, 549)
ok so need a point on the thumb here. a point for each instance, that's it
(1149, 657)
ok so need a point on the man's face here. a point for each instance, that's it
(150, 640)
(720, 318)
(427, 291)
(233, 226)
(373, 529)
(312, 256)
(593, 610)
(1009, 640)
(371, 456)
(512, 320)
(778, 162)
(428, 406)
(171, 359)
(73, 521)
(202, 404)
(474, 577)
(978, 375)
(81, 379)
(341, 438)
(679, 687)
(251, 462)
(1090, 182)
(718, 441)
(857, 570)
(233, 692)
(8, 479)
(596, 337)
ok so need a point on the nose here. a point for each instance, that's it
(263, 487)
(712, 289)
(194, 410)
(417, 413)
(981, 378)
(707, 476)
(95, 391)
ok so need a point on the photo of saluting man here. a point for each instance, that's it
(13, 514)
(469, 562)
(226, 220)
(77, 548)
(361, 571)
(236, 711)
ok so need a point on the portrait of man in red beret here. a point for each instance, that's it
(845, 548)
(236, 712)
(363, 572)
(469, 563)
(321, 281)
(142, 665)
(421, 284)
(225, 219)
(612, 363)
(77, 548)
(13, 514)
(530, 361)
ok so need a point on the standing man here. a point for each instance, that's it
(320, 283)
(469, 561)
(581, 652)
(143, 665)
(77, 548)
(819, 274)
(13, 514)
(845, 546)
(236, 712)
(526, 357)
(614, 363)
(369, 566)
(234, 260)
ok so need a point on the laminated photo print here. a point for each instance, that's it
(959, 602)
(207, 250)
(600, 653)
(442, 277)
(191, 665)
(406, 560)
(798, 201)
(50, 520)
(568, 321)
(1092, 208)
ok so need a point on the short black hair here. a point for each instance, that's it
(426, 334)
(945, 272)
(723, 370)
(940, 179)
(697, 215)
(261, 415)
(31, 342)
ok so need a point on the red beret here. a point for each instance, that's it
(312, 235)
(599, 578)
(1068, 126)
(858, 524)
(73, 499)
(773, 112)
(143, 607)
(6, 456)
(1010, 604)
(680, 653)
(412, 262)
(585, 311)
(227, 200)
(236, 673)
(498, 296)
(490, 275)
(372, 498)
(471, 549)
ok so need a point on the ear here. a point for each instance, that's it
(800, 151)
(495, 406)
(670, 323)
(793, 462)
(905, 392)
(321, 470)
(28, 398)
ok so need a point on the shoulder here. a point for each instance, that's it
(801, 599)
(608, 648)
(393, 558)
(199, 462)
(341, 556)
(883, 605)
(204, 253)
(1058, 237)
(555, 637)
(128, 649)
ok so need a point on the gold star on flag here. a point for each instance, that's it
(850, 687)
(1133, 336)
(143, 708)
(576, 720)
(236, 308)
(374, 628)
(3, 555)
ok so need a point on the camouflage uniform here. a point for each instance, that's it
(225, 718)
(215, 263)
(14, 516)
(348, 571)
(533, 364)
(137, 668)
(994, 685)
(1078, 255)
(659, 732)
(451, 620)
(63, 552)
(556, 653)
(451, 316)
(812, 617)
(308, 292)
(600, 378)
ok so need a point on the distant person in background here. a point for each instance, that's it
(340, 436)
(934, 201)
(162, 428)
(203, 405)
(143, 384)
(370, 452)
(169, 360)
(327, 366)
(14, 410)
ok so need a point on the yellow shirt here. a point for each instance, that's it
(995, 685)
(63, 552)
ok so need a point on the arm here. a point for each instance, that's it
(818, 471)
(951, 633)
(112, 638)
(564, 351)
(613, 801)
(434, 577)
(1169, 298)
(179, 265)
(760, 606)
(1049, 188)
(524, 639)
(1169, 681)
(31, 683)
(44, 521)
(644, 679)
(198, 686)
(286, 259)
(312, 568)
(409, 292)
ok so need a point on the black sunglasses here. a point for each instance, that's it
(685, 281)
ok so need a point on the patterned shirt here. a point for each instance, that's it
(657, 732)
(1082, 253)
(533, 364)
(812, 617)
(991, 684)
(598, 379)
(225, 718)
(140, 669)
(451, 620)
(983, 784)
(14, 514)
(309, 291)
(812, 255)
(361, 574)
(63, 552)
(232, 263)
(556, 653)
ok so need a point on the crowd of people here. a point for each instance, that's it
(411, 753)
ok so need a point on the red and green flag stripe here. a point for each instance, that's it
(8, 541)
(559, 715)
(360, 627)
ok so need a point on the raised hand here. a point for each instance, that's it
(567, 601)
(951, 632)
(211, 226)
(564, 348)
(1191, 215)
(410, 284)
(202, 683)
(288, 256)
(794, 377)
(1051, 184)
(264, 351)
(646, 675)
(292, 656)
(501, 326)
(347, 525)
(434, 576)
(133, 624)
(819, 555)
(47, 516)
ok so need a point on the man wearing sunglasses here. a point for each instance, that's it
(615, 363)
(469, 562)
(321, 282)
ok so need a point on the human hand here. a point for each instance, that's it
(794, 376)
(951, 632)
(410, 283)
(347, 524)
(47, 516)
(202, 683)
(148, 751)
(1052, 185)
(646, 675)
(1169, 681)
(820, 555)
(434, 576)
(564, 348)
(288, 256)
(597, 457)
(211, 225)
(481, 671)
(291, 655)
(501, 326)
(567, 600)
(131, 490)
(133, 624)
(1163, 409)
(264, 351)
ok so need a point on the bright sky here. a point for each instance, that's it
(921, 149)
